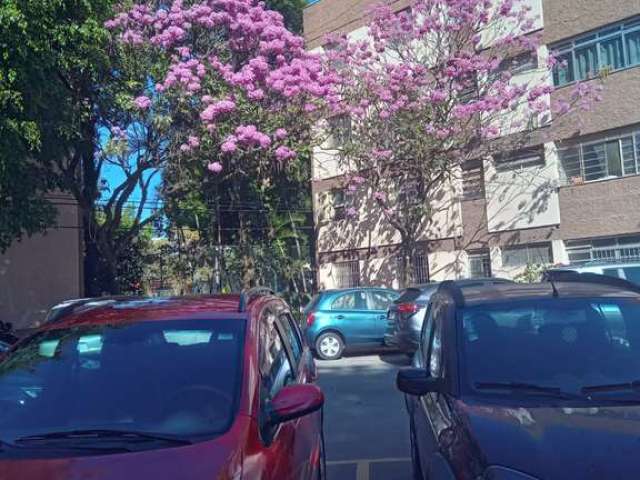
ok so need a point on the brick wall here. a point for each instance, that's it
(600, 209)
(567, 18)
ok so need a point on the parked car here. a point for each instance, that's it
(406, 314)
(347, 318)
(535, 381)
(627, 271)
(189, 388)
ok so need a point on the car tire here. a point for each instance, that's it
(416, 467)
(329, 346)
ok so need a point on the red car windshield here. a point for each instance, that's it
(175, 378)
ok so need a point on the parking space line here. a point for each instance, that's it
(363, 465)
(368, 460)
(362, 471)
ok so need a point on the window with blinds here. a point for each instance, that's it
(610, 158)
(520, 159)
(524, 255)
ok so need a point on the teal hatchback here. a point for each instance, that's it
(354, 317)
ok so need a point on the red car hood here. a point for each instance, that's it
(218, 459)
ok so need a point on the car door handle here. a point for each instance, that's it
(340, 317)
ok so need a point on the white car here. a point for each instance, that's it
(627, 271)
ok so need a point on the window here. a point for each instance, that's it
(435, 351)
(623, 249)
(339, 204)
(473, 180)
(609, 158)
(479, 265)
(525, 158)
(348, 274)
(275, 368)
(419, 268)
(293, 335)
(425, 335)
(350, 301)
(522, 256)
(632, 274)
(339, 131)
(521, 63)
(610, 49)
(144, 376)
(559, 343)
(380, 300)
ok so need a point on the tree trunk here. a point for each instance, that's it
(407, 254)
(248, 267)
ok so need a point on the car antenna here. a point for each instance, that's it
(549, 279)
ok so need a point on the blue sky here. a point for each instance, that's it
(115, 176)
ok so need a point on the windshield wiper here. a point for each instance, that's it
(94, 434)
(613, 387)
(527, 387)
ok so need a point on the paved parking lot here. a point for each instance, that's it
(367, 436)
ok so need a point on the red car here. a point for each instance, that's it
(191, 389)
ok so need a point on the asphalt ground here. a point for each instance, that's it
(366, 426)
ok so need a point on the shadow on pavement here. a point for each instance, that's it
(396, 359)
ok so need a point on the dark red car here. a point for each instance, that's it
(193, 389)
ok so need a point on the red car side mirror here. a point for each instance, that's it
(295, 401)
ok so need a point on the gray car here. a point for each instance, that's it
(406, 314)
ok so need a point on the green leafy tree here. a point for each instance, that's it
(51, 52)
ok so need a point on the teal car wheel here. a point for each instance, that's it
(329, 346)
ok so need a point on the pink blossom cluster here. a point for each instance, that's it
(254, 59)
(142, 102)
(284, 153)
(188, 74)
(248, 136)
(215, 110)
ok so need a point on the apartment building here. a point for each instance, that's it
(571, 200)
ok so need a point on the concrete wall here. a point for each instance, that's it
(42, 270)
(523, 198)
(339, 16)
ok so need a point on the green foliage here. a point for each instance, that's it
(291, 10)
(50, 50)
(531, 274)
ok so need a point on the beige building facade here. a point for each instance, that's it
(573, 197)
(42, 270)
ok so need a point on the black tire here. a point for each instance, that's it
(416, 467)
(329, 346)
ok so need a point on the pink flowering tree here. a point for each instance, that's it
(237, 92)
(430, 89)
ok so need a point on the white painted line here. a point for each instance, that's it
(362, 471)
(369, 460)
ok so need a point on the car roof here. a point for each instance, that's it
(599, 264)
(462, 283)
(353, 289)
(504, 292)
(122, 309)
